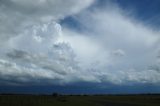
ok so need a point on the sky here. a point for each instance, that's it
(75, 46)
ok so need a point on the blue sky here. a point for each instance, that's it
(144, 10)
(94, 46)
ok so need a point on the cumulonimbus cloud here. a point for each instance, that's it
(112, 47)
(16, 15)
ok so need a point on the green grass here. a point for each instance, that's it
(101, 100)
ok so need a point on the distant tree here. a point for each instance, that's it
(55, 94)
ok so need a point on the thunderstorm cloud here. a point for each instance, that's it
(112, 46)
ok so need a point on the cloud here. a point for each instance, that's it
(16, 15)
(50, 60)
(112, 47)
(122, 44)
(118, 52)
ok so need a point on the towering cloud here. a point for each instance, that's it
(112, 47)
(16, 15)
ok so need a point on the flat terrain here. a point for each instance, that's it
(86, 100)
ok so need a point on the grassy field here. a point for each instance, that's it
(101, 100)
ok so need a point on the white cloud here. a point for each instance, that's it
(50, 60)
(113, 48)
(16, 15)
(119, 52)
(123, 42)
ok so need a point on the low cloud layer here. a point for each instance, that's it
(112, 47)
